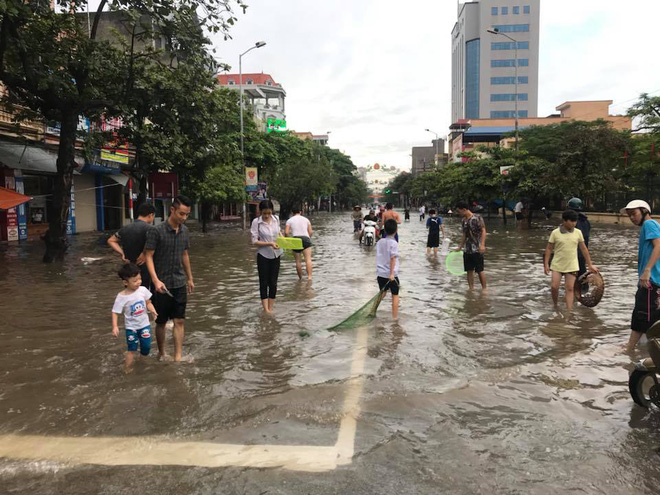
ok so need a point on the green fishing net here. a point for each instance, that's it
(363, 315)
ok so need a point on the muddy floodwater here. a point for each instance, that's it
(483, 392)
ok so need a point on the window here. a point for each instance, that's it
(249, 81)
(269, 83)
(509, 45)
(230, 82)
(509, 62)
(493, 11)
(509, 80)
(526, 9)
(507, 114)
(523, 62)
(505, 10)
(512, 28)
(472, 49)
(508, 97)
(516, 10)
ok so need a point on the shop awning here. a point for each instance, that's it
(30, 158)
(11, 199)
(120, 179)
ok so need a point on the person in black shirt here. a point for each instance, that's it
(434, 224)
(129, 241)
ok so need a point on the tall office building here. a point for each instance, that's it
(484, 64)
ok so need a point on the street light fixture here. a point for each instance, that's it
(436, 145)
(258, 44)
(515, 65)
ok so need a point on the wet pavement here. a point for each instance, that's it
(466, 393)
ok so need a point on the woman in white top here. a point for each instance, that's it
(300, 227)
(265, 229)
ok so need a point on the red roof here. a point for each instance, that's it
(10, 199)
(259, 78)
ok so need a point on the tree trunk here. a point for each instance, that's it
(204, 212)
(55, 237)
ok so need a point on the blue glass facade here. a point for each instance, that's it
(509, 80)
(509, 45)
(472, 61)
(508, 97)
(512, 28)
(507, 114)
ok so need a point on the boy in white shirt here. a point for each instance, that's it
(387, 265)
(133, 302)
(300, 227)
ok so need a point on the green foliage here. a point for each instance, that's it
(647, 113)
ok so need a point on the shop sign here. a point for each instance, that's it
(71, 221)
(12, 225)
(20, 210)
(277, 125)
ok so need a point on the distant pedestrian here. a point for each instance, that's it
(356, 215)
(434, 225)
(387, 265)
(647, 297)
(584, 226)
(564, 242)
(133, 302)
(518, 211)
(129, 241)
(473, 244)
(406, 214)
(300, 227)
(264, 231)
(422, 213)
(166, 252)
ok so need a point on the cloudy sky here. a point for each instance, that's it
(376, 73)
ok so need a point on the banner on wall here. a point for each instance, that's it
(251, 176)
(71, 221)
(21, 210)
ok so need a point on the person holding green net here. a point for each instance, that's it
(387, 265)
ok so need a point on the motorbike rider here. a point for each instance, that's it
(371, 216)
(645, 312)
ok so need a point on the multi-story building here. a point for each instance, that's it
(485, 66)
(427, 158)
(263, 93)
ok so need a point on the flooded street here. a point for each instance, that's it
(466, 393)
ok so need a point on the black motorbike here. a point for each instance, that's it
(643, 382)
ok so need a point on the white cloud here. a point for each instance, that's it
(377, 72)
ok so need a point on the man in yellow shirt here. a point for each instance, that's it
(564, 242)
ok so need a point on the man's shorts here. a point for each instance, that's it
(433, 240)
(473, 262)
(356, 224)
(645, 313)
(171, 308)
(306, 242)
(519, 215)
(141, 336)
(393, 287)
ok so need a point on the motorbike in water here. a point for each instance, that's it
(643, 381)
(369, 233)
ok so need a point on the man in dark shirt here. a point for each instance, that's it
(166, 254)
(129, 241)
(584, 225)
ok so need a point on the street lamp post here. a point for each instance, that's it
(515, 65)
(436, 145)
(258, 44)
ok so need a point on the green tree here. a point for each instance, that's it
(55, 65)
(647, 113)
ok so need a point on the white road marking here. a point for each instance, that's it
(117, 451)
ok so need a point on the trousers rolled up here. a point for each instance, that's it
(269, 270)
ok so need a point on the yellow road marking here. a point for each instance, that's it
(114, 451)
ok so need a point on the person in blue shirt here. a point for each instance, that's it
(434, 225)
(648, 254)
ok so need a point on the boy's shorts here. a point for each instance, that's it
(645, 313)
(393, 287)
(433, 240)
(171, 308)
(141, 336)
(306, 243)
(473, 262)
